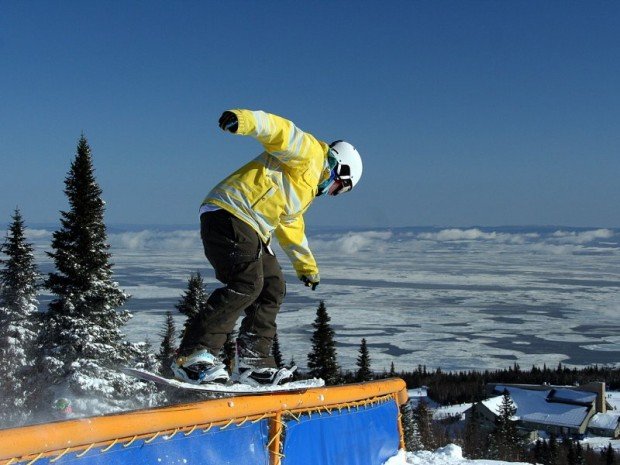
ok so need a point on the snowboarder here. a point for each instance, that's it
(265, 197)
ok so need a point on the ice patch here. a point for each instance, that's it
(153, 292)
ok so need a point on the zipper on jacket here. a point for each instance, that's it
(272, 188)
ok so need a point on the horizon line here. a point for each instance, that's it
(189, 226)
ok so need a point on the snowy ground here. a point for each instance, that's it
(614, 399)
(452, 298)
(449, 455)
(599, 443)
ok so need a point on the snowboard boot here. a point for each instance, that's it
(265, 376)
(200, 367)
(257, 369)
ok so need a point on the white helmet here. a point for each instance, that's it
(349, 165)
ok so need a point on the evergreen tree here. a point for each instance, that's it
(363, 364)
(537, 452)
(168, 347)
(322, 361)
(146, 359)
(474, 442)
(392, 373)
(579, 456)
(505, 441)
(424, 437)
(18, 312)
(544, 453)
(609, 455)
(409, 429)
(194, 299)
(296, 374)
(81, 340)
(554, 451)
(591, 457)
(569, 449)
(276, 352)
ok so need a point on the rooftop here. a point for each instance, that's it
(534, 406)
(571, 396)
(605, 420)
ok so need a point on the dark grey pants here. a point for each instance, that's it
(253, 282)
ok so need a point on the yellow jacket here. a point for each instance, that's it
(271, 192)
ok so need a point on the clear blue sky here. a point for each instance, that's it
(466, 112)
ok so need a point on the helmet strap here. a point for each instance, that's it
(331, 162)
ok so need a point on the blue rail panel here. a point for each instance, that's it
(367, 435)
(235, 445)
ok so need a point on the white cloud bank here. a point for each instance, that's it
(352, 242)
(560, 242)
(475, 234)
(147, 239)
(584, 237)
(37, 234)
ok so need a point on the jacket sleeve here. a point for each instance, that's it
(279, 136)
(293, 241)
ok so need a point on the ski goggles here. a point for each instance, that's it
(342, 182)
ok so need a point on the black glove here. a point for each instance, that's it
(311, 282)
(228, 121)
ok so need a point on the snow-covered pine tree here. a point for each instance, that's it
(18, 325)
(424, 435)
(146, 359)
(168, 347)
(81, 340)
(194, 299)
(322, 359)
(276, 352)
(409, 428)
(505, 443)
(363, 363)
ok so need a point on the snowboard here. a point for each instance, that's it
(234, 389)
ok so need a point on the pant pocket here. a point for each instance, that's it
(229, 246)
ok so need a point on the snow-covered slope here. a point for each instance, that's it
(449, 455)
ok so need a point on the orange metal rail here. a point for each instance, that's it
(58, 438)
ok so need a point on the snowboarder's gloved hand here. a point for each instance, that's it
(228, 121)
(310, 280)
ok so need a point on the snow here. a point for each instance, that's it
(418, 392)
(448, 455)
(452, 411)
(605, 420)
(421, 394)
(600, 443)
(569, 395)
(613, 397)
